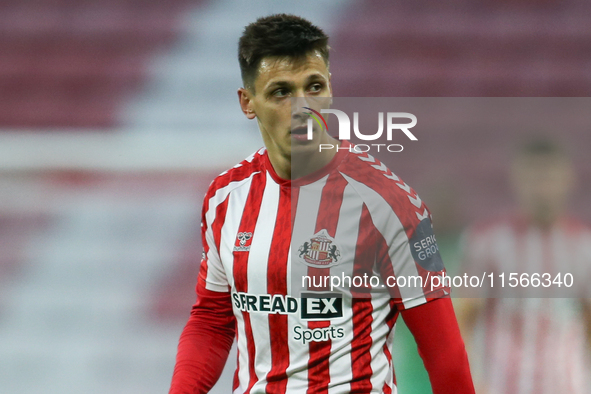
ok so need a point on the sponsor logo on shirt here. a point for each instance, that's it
(306, 335)
(321, 306)
(243, 241)
(424, 249)
(311, 306)
(320, 251)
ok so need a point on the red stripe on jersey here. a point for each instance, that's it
(330, 203)
(277, 284)
(387, 389)
(327, 219)
(361, 370)
(362, 308)
(365, 251)
(240, 264)
(390, 321)
(386, 268)
(295, 196)
(218, 223)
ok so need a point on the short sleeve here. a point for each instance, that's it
(408, 254)
(414, 253)
(212, 275)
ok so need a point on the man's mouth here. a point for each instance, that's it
(299, 130)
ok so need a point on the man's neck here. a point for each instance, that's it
(298, 166)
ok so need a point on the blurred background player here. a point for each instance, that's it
(531, 345)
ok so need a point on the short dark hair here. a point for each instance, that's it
(279, 35)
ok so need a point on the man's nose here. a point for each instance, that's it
(298, 105)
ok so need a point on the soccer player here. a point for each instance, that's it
(268, 222)
(531, 345)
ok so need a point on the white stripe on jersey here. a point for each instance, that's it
(304, 225)
(347, 232)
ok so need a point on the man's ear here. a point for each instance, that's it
(245, 98)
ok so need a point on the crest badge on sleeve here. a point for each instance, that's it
(320, 251)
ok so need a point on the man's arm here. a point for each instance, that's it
(204, 344)
(440, 345)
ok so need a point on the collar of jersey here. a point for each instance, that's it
(313, 177)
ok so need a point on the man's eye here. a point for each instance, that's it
(316, 87)
(280, 93)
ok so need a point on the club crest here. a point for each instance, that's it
(320, 251)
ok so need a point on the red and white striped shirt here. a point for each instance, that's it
(530, 345)
(262, 234)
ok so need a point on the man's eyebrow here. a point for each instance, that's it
(278, 84)
(286, 84)
(316, 76)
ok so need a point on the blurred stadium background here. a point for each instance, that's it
(116, 115)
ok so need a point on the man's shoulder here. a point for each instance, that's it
(240, 173)
(371, 178)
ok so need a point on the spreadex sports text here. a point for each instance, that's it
(311, 306)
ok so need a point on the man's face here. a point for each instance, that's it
(279, 80)
(543, 184)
